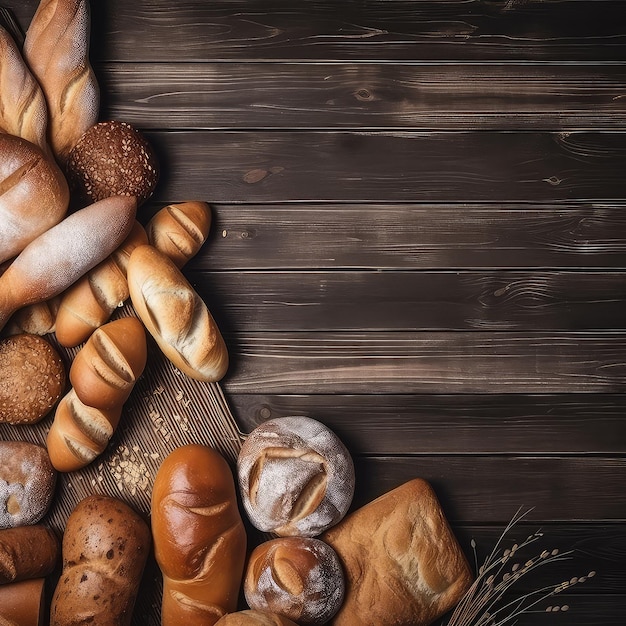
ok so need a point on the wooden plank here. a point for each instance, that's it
(370, 95)
(422, 424)
(426, 362)
(386, 166)
(446, 300)
(413, 236)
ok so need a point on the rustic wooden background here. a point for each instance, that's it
(419, 239)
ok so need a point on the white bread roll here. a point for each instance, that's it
(175, 315)
(299, 577)
(296, 477)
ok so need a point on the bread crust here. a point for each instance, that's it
(23, 603)
(254, 618)
(27, 552)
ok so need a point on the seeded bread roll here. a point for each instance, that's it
(32, 378)
(298, 577)
(23, 603)
(27, 482)
(254, 618)
(296, 477)
(27, 552)
(402, 563)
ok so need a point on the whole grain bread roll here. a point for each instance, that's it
(403, 565)
(250, 617)
(105, 549)
(175, 315)
(295, 476)
(199, 537)
(27, 552)
(299, 577)
(23, 603)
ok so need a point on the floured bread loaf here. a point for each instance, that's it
(403, 565)
(296, 477)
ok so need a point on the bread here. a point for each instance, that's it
(56, 49)
(254, 618)
(112, 158)
(199, 537)
(23, 110)
(27, 552)
(23, 603)
(105, 549)
(295, 476)
(32, 378)
(90, 302)
(53, 261)
(180, 230)
(175, 315)
(36, 319)
(402, 563)
(299, 577)
(27, 483)
(103, 374)
(34, 194)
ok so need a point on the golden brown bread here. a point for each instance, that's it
(254, 618)
(90, 302)
(23, 603)
(105, 549)
(32, 378)
(34, 195)
(175, 315)
(27, 552)
(199, 537)
(420, 571)
(56, 49)
(299, 577)
(36, 319)
(180, 230)
(27, 482)
(295, 476)
(57, 258)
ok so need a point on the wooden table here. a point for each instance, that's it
(419, 239)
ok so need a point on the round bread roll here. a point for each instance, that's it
(27, 482)
(295, 476)
(32, 378)
(23, 603)
(299, 577)
(250, 617)
(112, 159)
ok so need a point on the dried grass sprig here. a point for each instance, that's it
(486, 602)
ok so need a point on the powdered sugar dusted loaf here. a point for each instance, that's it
(296, 477)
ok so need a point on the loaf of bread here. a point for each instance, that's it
(103, 374)
(27, 552)
(35, 319)
(27, 483)
(199, 536)
(34, 194)
(296, 477)
(59, 257)
(250, 617)
(299, 577)
(105, 549)
(402, 563)
(23, 603)
(56, 49)
(180, 230)
(23, 110)
(175, 315)
(90, 302)
(32, 378)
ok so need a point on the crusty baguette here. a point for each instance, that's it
(56, 49)
(23, 603)
(175, 315)
(199, 537)
(64, 253)
(27, 552)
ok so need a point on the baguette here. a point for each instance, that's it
(23, 603)
(56, 49)
(27, 552)
(199, 537)
(60, 256)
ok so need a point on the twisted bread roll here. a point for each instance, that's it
(175, 315)
(56, 49)
(199, 537)
(90, 302)
(27, 552)
(105, 548)
(103, 375)
(23, 603)
(23, 110)
(60, 256)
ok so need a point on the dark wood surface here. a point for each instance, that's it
(419, 238)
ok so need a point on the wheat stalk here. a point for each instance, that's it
(484, 603)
